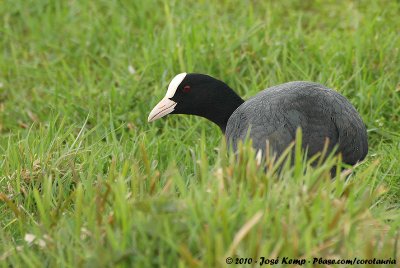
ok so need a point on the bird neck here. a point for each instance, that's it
(221, 107)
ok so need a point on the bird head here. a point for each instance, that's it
(197, 94)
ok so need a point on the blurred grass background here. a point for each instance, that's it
(83, 173)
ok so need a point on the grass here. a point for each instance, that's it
(86, 181)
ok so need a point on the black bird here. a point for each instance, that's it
(272, 115)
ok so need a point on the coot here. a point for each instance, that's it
(272, 115)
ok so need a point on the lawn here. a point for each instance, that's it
(85, 181)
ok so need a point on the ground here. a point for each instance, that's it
(86, 181)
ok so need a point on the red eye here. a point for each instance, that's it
(186, 89)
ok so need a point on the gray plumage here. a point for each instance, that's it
(275, 113)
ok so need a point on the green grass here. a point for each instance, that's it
(83, 171)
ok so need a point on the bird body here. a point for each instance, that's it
(273, 115)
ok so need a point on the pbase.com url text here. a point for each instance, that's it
(292, 261)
